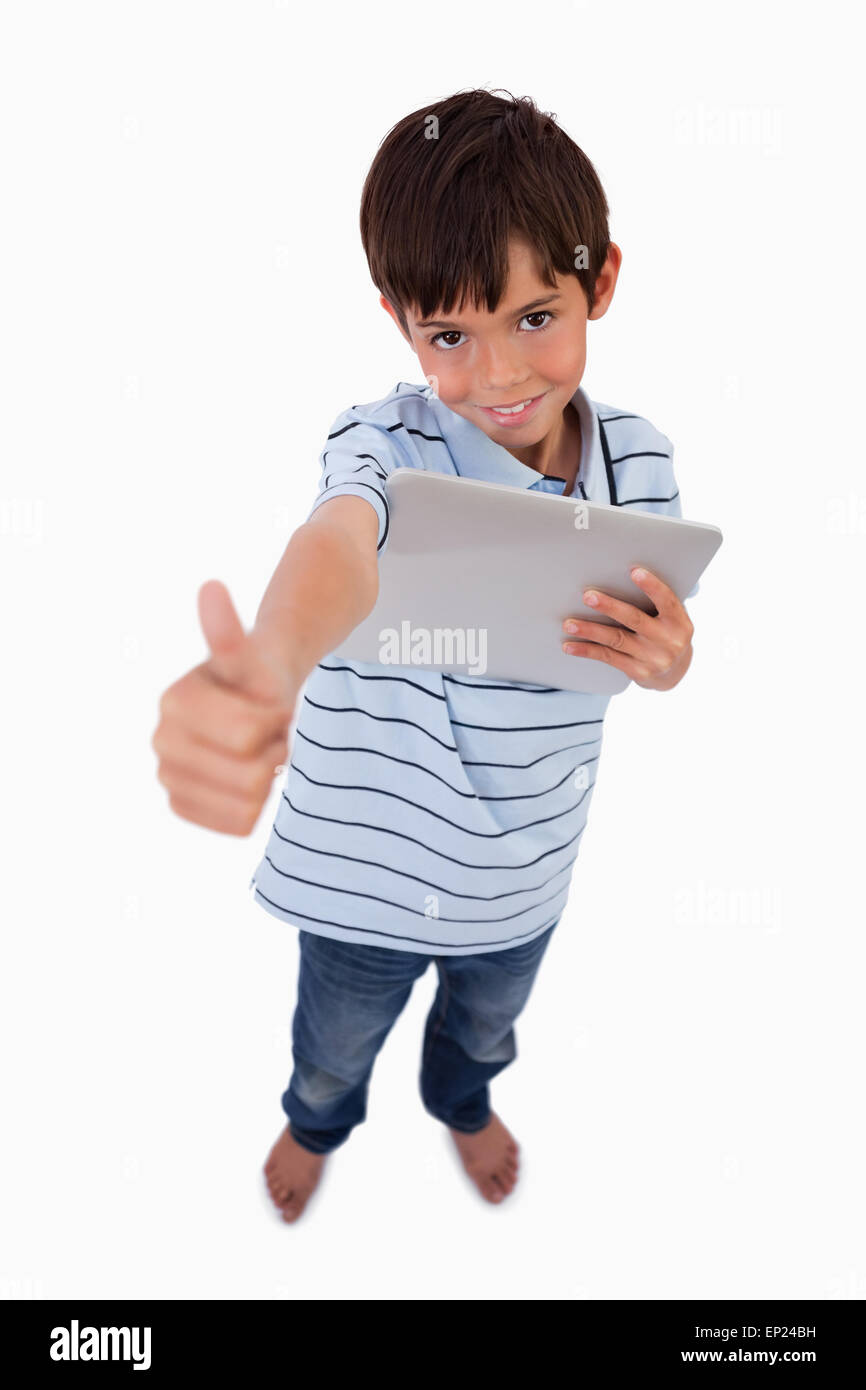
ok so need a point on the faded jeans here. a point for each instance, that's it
(349, 997)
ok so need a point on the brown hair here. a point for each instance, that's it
(437, 213)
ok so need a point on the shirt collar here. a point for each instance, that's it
(476, 455)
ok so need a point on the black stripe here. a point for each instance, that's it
(516, 689)
(418, 806)
(606, 419)
(420, 940)
(382, 476)
(642, 454)
(387, 830)
(378, 753)
(401, 907)
(471, 685)
(362, 676)
(368, 486)
(522, 728)
(530, 796)
(627, 500)
(406, 762)
(455, 723)
(479, 834)
(381, 719)
(434, 438)
(608, 467)
(352, 426)
(566, 748)
(416, 878)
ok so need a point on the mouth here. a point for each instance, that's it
(513, 413)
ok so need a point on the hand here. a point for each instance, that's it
(223, 729)
(653, 650)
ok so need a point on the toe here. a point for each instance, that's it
(295, 1203)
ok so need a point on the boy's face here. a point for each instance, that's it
(533, 348)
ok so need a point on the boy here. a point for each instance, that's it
(426, 815)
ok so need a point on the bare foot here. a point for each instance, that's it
(292, 1172)
(490, 1158)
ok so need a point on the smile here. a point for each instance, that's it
(513, 414)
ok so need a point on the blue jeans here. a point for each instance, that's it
(350, 996)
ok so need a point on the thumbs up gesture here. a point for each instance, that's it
(223, 729)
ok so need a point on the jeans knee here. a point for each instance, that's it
(316, 1087)
(490, 1045)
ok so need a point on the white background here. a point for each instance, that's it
(185, 308)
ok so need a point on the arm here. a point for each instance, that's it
(325, 585)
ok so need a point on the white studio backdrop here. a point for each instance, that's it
(186, 307)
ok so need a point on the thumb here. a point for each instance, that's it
(223, 632)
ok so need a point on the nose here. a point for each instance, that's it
(499, 370)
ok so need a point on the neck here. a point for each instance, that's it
(558, 454)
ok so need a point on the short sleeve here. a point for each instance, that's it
(671, 495)
(356, 462)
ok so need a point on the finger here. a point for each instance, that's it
(213, 714)
(651, 659)
(224, 632)
(216, 810)
(209, 806)
(236, 659)
(635, 670)
(606, 635)
(661, 593)
(632, 617)
(184, 758)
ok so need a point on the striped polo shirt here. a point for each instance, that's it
(431, 812)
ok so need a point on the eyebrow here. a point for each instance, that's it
(519, 313)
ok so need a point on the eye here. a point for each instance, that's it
(442, 346)
(539, 314)
(447, 333)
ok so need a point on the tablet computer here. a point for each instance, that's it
(478, 577)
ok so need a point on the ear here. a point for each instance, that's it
(389, 309)
(606, 282)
